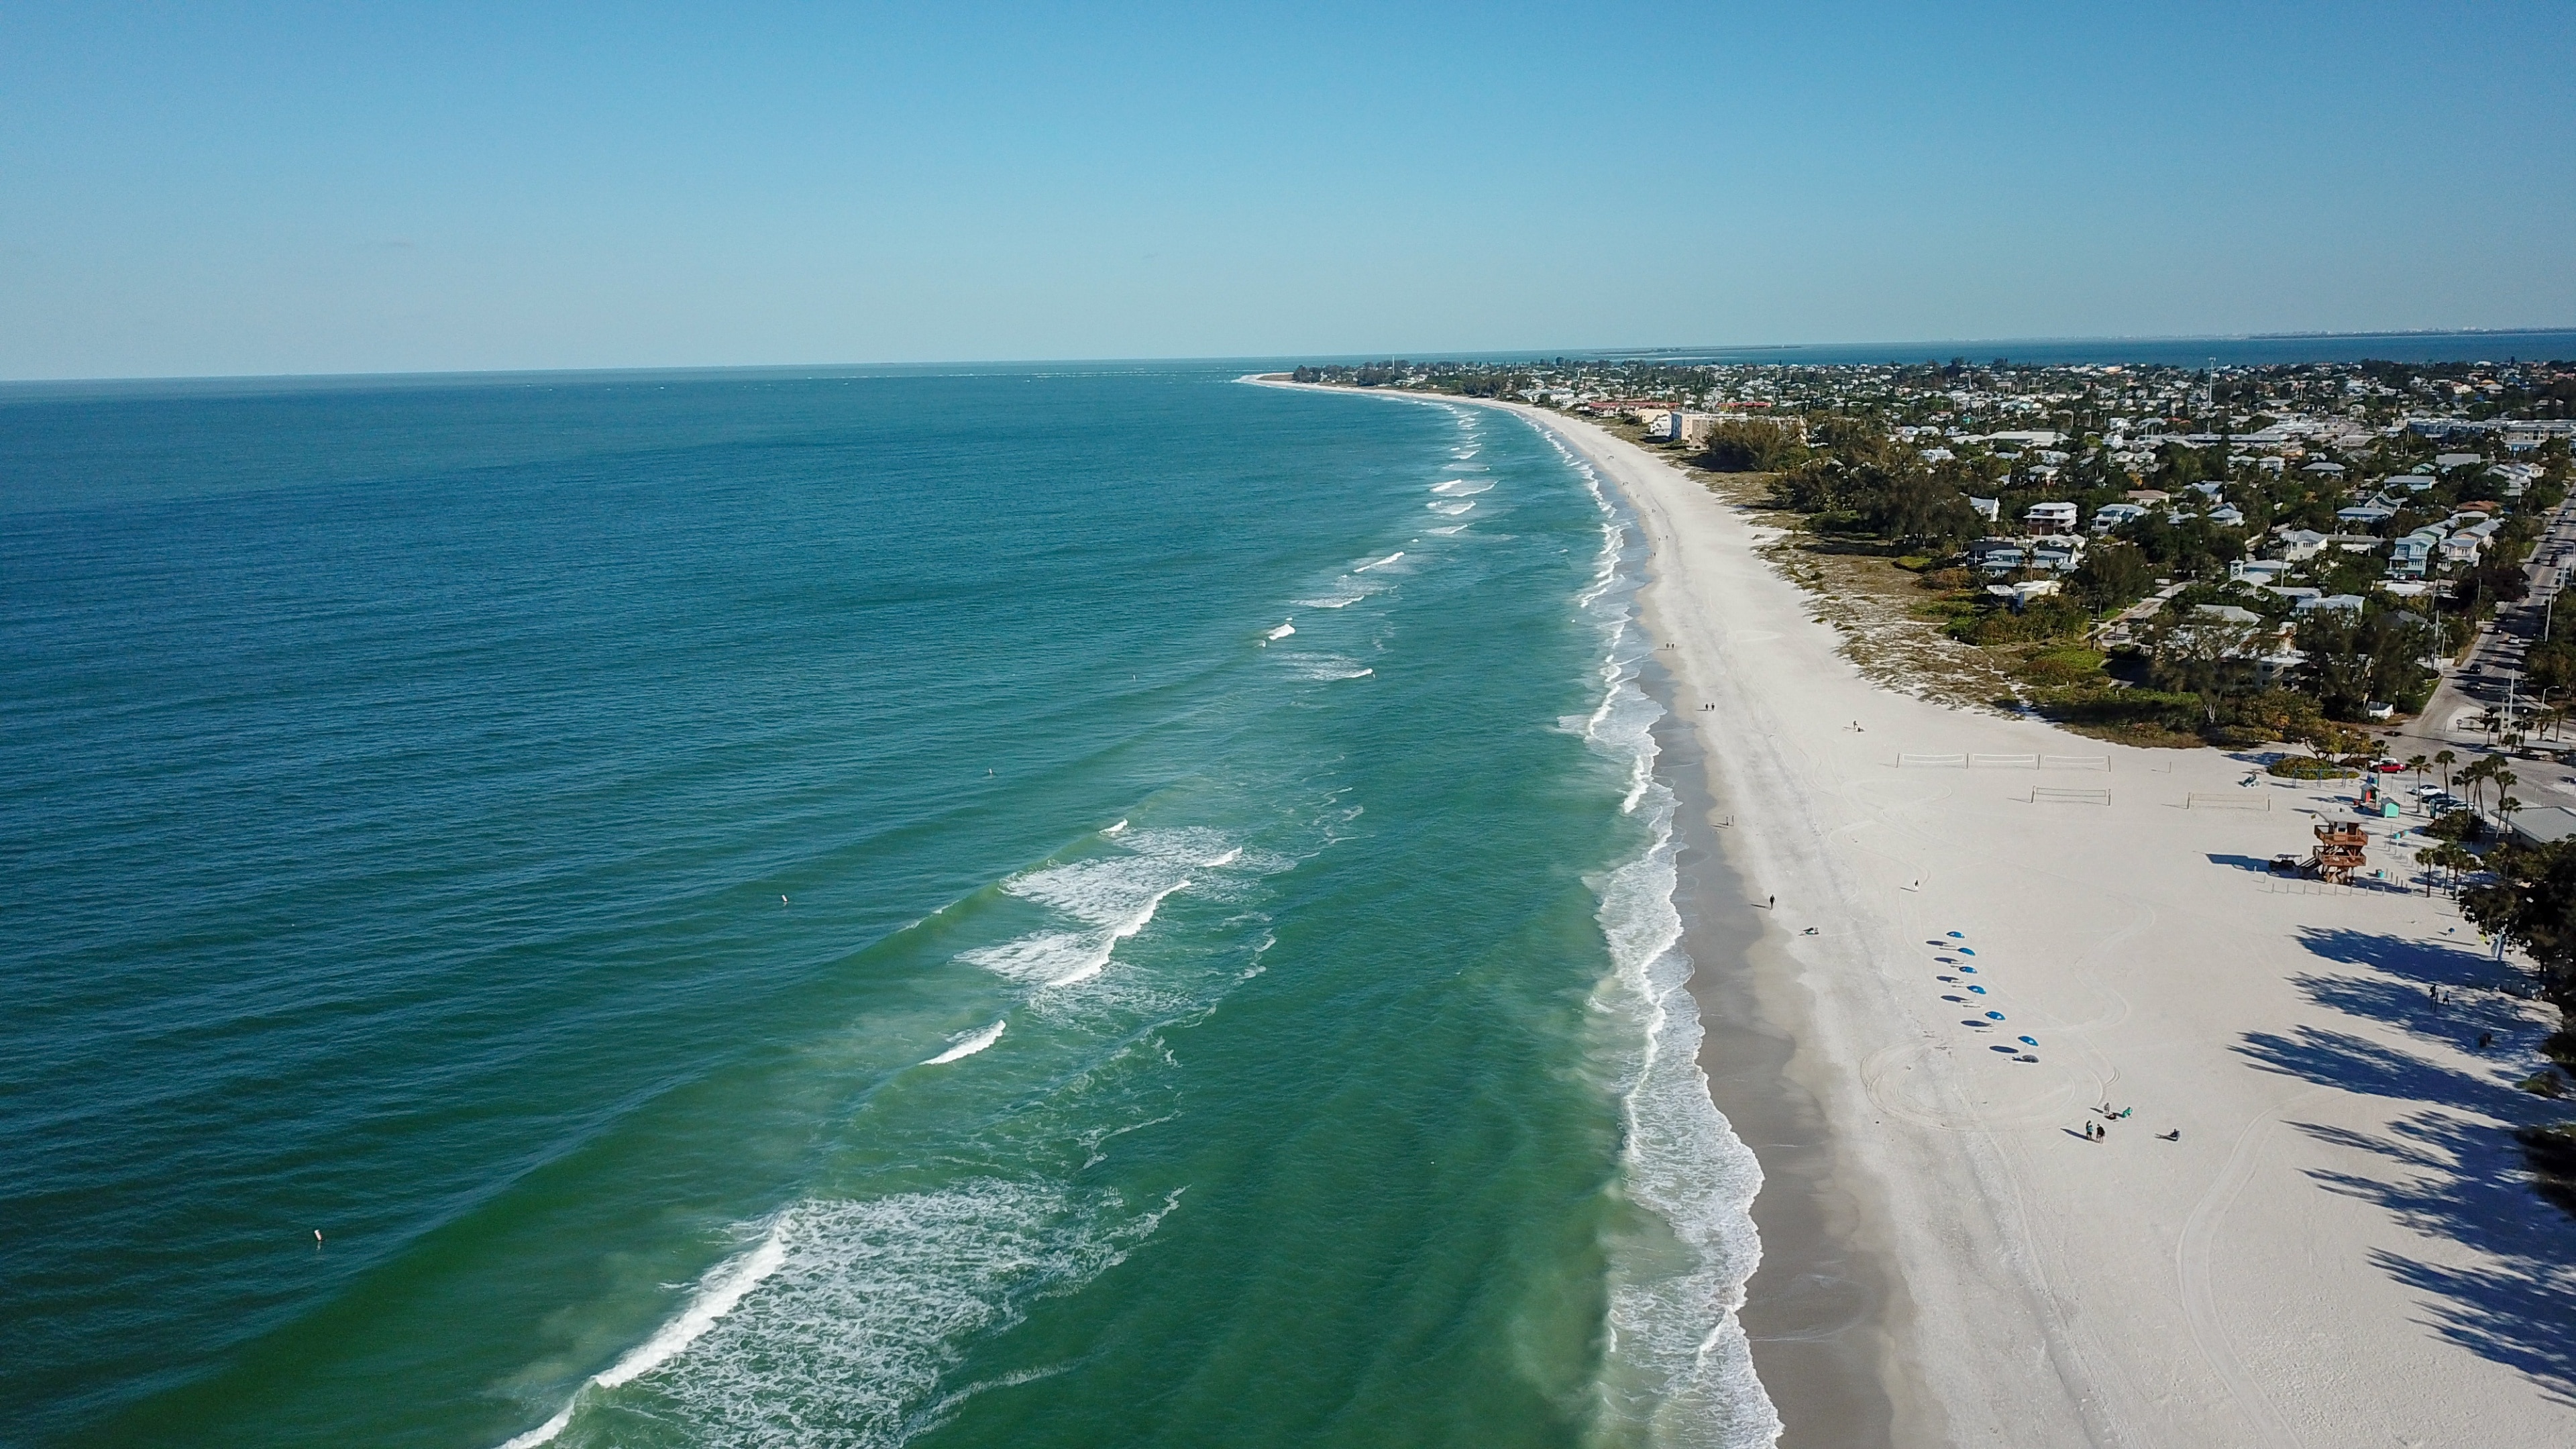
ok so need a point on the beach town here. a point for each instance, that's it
(2139, 793)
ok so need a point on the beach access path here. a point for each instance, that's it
(2340, 1246)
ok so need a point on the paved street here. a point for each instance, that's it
(2482, 685)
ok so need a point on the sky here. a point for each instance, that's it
(213, 189)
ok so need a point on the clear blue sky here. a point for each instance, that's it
(210, 188)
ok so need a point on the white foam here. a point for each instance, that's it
(717, 1295)
(1101, 902)
(1096, 960)
(1446, 529)
(1378, 563)
(968, 1046)
(867, 1305)
(1114, 829)
(1452, 509)
(1463, 487)
(1325, 667)
(1677, 1349)
(1283, 631)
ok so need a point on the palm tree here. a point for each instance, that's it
(2489, 768)
(2416, 763)
(2506, 804)
(2444, 760)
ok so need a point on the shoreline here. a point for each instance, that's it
(1820, 1310)
(2317, 1230)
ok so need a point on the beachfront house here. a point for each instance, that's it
(1998, 556)
(2058, 555)
(2409, 556)
(2049, 518)
(2111, 515)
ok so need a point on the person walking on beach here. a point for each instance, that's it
(1774, 904)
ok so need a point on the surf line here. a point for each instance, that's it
(718, 1294)
(968, 1046)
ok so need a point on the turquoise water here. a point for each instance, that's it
(849, 909)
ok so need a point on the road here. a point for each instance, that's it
(2482, 684)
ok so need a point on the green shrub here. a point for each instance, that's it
(2544, 1084)
(2309, 767)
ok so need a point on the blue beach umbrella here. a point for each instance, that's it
(1971, 970)
(1967, 951)
(1994, 1016)
(1978, 989)
(2030, 1041)
(1958, 936)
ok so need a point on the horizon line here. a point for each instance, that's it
(1632, 353)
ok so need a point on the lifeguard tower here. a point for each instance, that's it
(2339, 853)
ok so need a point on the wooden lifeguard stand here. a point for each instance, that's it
(2338, 854)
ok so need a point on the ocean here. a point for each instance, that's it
(856, 907)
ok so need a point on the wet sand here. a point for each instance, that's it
(1821, 1310)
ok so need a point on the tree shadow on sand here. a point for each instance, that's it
(2449, 1171)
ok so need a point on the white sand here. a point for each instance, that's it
(2340, 1250)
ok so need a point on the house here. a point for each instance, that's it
(2366, 515)
(2409, 556)
(2445, 462)
(1938, 455)
(2227, 515)
(2329, 469)
(2264, 571)
(2018, 596)
(2057, 555)
(1987, 508)
(2298, 545)
(1998, 556)
(2111, 515)
(2330, 604)
(2049, 518)
(2299, 595)
(2271, 668)
(2224, 614)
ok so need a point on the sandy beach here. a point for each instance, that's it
(2307, 1225)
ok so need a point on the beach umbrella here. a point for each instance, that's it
(1958, 936)
(1978, 989)
(1967, 951)
(2030, 1041)
(1971, 970)
(1994, 1016)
